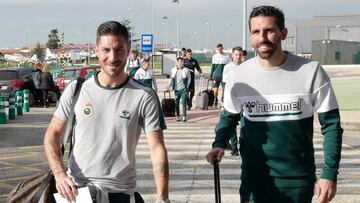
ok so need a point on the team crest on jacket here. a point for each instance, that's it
(88, 110)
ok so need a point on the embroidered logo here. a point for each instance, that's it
(88, 110)
(125, 114)
(249, 106)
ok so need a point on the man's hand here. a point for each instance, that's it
(325, 190)
(216, 152)
(65, 186)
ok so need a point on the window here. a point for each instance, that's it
(337, 56)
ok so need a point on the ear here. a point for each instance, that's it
(283, 34)
(96, 51)
(128, 48)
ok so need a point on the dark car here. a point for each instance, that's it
(10, 79)
(13, 79)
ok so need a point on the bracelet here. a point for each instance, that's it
(163, 201)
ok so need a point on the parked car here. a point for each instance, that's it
(10, 79)
(73, 73)
(13, 79)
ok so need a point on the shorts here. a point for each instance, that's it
(217, 81)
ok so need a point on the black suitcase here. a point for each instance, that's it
(211, 97)
(217, 181)
(168, 105)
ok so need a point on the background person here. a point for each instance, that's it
(146, 75)
(47, 83)
(277, 100)
(180, 80)
(133, 63)
(219, 60)
(36, 77)
(191, 64)
(111, 112)
(236, 55)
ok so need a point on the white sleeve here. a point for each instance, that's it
(323, 97)
(153, 81)
(137, 74)
(232, 101)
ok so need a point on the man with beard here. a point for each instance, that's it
(111, 112)
(277, 94)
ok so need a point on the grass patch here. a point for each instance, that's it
(347, 91)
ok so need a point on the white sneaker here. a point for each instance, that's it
(178, 118)
(184, 119)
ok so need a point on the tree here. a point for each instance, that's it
(39, 52)
(53, 42)
(127, 23)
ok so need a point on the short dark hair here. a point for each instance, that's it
(183, 49)
(114, 28)
(219, 45)
(244, 52)
(237, 49)
(146, 61)
(179, 58)
(271, 12)
(188, 50)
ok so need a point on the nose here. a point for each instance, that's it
(111, 55)
(263, 36)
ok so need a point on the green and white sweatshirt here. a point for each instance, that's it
(218, 63)
(278, 106)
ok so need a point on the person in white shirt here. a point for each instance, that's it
(180, 81)
(145, 75)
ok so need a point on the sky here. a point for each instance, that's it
(25, 22)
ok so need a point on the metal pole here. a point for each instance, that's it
(177, 28)
(244, 24)
(228, 35)
(208, 35)
(88, 42)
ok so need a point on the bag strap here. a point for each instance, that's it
(71, 122)
(42, 187)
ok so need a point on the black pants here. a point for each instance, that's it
(45, 93)
(123, 198)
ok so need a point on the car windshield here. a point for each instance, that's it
(8, 75)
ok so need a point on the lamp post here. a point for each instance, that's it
(208, 35)
(228, 35)
(166, 29)
(244, 24)
(177, 26)
(88, 45)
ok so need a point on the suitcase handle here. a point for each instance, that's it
(168, 91)
(217, 180)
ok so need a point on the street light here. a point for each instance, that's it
(89, 21)
(166, 29)
(244, 25)
(177, 26)
(208, 35)
(228, 35)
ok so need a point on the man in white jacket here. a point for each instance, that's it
(180, 81)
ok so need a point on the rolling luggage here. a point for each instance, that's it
(217, 181)
(168, 105)
(202, 98)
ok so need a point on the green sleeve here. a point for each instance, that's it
(332, 131)
(225, 128)
(212, 70)
(186, 81)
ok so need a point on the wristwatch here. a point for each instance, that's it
(163, 201)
